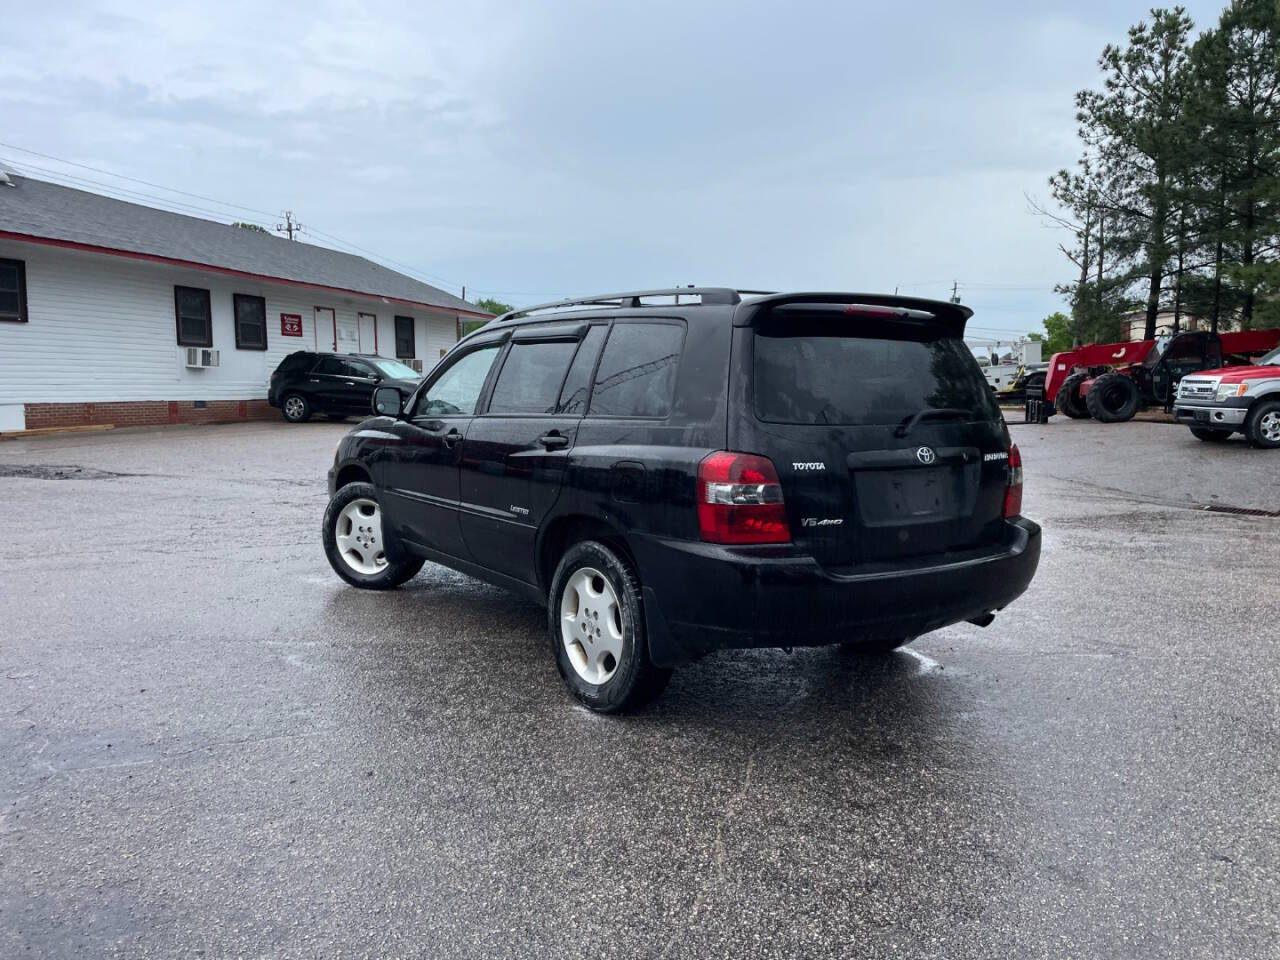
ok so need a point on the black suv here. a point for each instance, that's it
(340, 385)
(678, 471)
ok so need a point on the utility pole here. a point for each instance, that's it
(290, 225)
(955, 296)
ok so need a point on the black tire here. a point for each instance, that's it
(1263, 425)
(634, 680)
(1113, 398)
(295, 408)
(1210, 436)
(1068, 401)
(391, 574)
(336, 417)
(875, 648)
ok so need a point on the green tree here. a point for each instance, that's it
(250, 226)
(496, 307)
(1135, 131)
(1057, 336)
(1236, 96)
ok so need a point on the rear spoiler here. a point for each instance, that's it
(951, 316)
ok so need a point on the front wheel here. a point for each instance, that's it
(1263, 426)
(1210, 436)
(354, 544)
(595, 616)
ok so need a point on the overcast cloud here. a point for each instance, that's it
(534, 151)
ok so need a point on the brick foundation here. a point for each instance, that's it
(145, 413)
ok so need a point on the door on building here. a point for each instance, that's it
(347, 335)
(368, 332)
(326, 328)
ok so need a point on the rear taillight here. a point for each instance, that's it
(1013, 492)
(740, 500)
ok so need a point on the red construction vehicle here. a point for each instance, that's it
(1113, 381)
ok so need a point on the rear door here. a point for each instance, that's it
(514, 454)
(883, 430)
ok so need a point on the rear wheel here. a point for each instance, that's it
(354, 543)
(1210, 436)
(1068, 401)
(596, 621)
(1263, 425)
(1113, 398)
(295, 408)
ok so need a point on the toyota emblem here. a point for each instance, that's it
(926, 455)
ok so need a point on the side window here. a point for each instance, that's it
(193, 316)
(357, 369)
(13, 290)
(531, 376)
(333, 366)
(573, 398)
(251, 322)
(637, 371)
(457, 390)
(405, 347)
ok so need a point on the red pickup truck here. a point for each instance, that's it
(1218, 403)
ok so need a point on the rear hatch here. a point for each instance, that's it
(886, 438)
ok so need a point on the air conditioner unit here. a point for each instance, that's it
(200, 357)
(415, 363)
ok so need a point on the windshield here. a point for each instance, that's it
(395, 370)
(1271, 359)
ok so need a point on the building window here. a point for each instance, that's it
(13, 291)
(405, 346)
(195, 322)
(251, 322)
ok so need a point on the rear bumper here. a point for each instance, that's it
(701, 597)
(1210, 415)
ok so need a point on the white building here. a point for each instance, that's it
(116, 313)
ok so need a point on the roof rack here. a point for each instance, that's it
(721, 296)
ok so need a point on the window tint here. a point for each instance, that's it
(637, 370)
(296, 362)
(251, 322)
(531, 376)
(13, 290)
(573, 398)
(808, 372)
(457, 391)
(191, 308)
(358, 368)
(332, 365)
(405, 346)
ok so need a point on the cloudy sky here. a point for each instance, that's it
(531, 151)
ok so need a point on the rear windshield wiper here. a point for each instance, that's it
(928, 413)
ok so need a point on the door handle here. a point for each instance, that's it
(452, 437)
(351, 383)
(553, 440)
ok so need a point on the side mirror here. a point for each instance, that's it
(387, 402)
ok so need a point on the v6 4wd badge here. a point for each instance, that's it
(821, 521)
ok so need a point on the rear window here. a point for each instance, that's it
(814, 373)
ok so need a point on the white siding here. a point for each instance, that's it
(101, 328)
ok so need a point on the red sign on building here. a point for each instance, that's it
(290, 324)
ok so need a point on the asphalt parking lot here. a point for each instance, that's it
(213, 747)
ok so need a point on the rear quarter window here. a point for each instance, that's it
(637, 371)
(816, 373)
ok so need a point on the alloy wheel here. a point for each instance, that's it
(1269, 427)
(591, 625)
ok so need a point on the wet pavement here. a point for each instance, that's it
(212, 747)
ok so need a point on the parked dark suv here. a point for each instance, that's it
(340, 385)
(675, 474)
